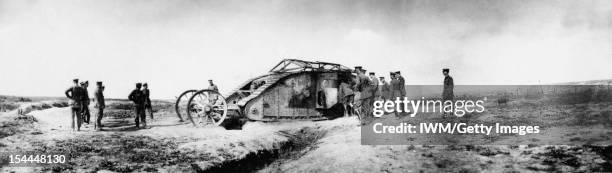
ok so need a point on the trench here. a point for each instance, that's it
(298, 144)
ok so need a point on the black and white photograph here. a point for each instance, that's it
(321, 86)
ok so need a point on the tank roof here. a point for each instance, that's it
(296, 65)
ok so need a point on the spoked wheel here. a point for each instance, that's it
(207, 107)
(181, 103)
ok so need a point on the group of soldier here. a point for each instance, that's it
(80, 102)
(364, 90)
(142, 103)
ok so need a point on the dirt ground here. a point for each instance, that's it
(304, 146)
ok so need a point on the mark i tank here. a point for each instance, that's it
(292, 90)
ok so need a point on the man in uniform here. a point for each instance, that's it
(212, 86)
(138, 98)
(147, 103)
(87, 100)
(449, 85)
(374, 86)
(363, 87)
(346, 96)
(385, 89)
(99, 97)
(76, 95)
(402, 83)
(401, 86)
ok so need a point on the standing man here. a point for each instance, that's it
(75, 94)
(346, 96)
(449, 85)
(374, 86)
(87, 100)
(385, 89)
(212, 86)
(138, 98)
(395, 89)
(99, 97)
(402, 83)
(147, 104)
(402, 87)
(363, 88)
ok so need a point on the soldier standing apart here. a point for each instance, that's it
(99, 96)
(138, 98)
(147, 103)
(385, 89)
(87, 100)
(75, 94)
(449, 85)
(374, 86)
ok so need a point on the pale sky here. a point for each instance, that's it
(179, 44)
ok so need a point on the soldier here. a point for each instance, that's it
(87, 100)
(385, 90)
(402, 83)
(212, 86)
(374, 87)
(138, 98)
(363, 87)
(147, 103)
(449, 85)
(76, 95)
(346, 96)
(395, 89)
(99, 97)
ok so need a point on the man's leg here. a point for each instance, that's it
(74, 115)
(87, 114)
(99, 118)
(137, 115)
(143, 117)
(79, 119)
(150, 109)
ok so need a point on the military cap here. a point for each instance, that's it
(445, 70)
(398, 72)
(99, 83)
(358, 67)
(75, 80)
(145, 84)
(82, 83)
(372, 73)
(209, 79)
(391, 73)
(138, 84)
(382, 77)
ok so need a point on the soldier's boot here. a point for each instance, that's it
(137, 120)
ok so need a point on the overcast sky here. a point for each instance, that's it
(179, 44)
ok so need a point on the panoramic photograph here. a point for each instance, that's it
(305, 86)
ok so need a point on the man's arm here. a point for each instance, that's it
(131, 96)
(68, 93)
